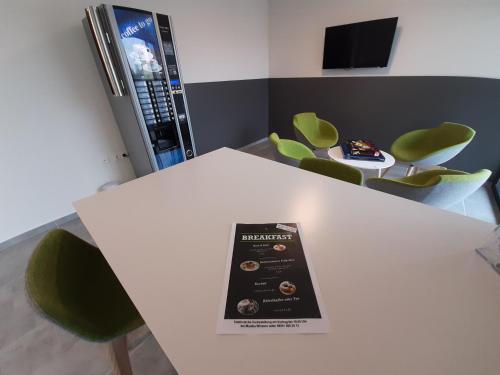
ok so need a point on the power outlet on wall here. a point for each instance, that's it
(120, 155)
(112, 157)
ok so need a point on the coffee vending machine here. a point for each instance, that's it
(137, 59)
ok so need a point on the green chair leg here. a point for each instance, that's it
(120, 356)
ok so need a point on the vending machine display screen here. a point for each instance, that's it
(139, 40)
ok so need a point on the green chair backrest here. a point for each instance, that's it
(333, 169)
(71, 283)
(295, 149)
(425, 179)
(440, 188)
(479, 177)
(274, 138)
(307, 124)
(435, 146)
(449, 134)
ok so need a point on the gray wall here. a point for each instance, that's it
(382, 108)
(228, 113)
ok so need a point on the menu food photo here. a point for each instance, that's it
(270, 285)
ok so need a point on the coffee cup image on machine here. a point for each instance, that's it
(141, 57)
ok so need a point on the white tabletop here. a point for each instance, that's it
(336, 154)
(404, 290)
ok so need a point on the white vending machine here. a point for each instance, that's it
(137, 59)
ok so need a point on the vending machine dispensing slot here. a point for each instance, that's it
(137, 58)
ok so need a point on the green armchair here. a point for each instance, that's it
(288, 151)
(440, 188)
(428, 147)
(314, 132)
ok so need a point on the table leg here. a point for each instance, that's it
(384, 172)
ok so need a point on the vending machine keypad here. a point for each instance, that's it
(158, 113)
(155, 101)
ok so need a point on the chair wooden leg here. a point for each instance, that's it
(120, 356)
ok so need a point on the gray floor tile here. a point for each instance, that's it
(262, 149)
(138, 336)
(78, 229)
(17, 316)
(48, 350)
(13, 261)
(149, 358)
(396, 171)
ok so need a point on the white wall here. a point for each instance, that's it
(56, 126)
(436, 37)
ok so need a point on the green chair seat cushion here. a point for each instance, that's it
(333, 169)
(294, 150)
(436, 176)
(320, 133)
(424, 143)
(290, 151)
(71, 283)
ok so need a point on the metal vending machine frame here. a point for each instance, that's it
(143, 83)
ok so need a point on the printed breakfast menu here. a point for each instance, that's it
(270, 286)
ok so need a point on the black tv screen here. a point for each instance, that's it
(359, 45)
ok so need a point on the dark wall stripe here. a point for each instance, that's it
(229, 113)
(236, 113)
(382, 108)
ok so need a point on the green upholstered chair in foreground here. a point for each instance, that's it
(314, 132)
(70, 283)
(428, 147)
(440, 188)
(288, 151)
(333, 169)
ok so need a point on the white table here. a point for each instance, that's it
(404, 290)
(336, 154)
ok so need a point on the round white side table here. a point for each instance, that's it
(336, 154)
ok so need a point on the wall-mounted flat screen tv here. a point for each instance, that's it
(359, 45)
